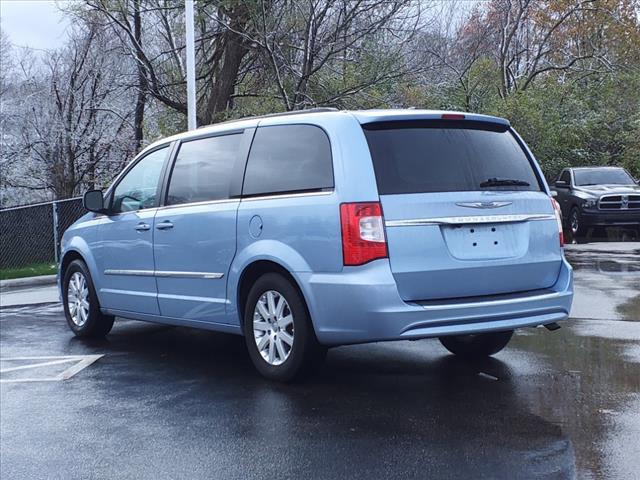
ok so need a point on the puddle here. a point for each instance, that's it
(630, 310)
(606, 281)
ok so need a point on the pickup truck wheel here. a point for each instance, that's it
(576, 224)
(278, 331)
(476, 345)
(81, 307)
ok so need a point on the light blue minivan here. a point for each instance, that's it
(312, 229)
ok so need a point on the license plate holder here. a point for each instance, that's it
(485, 241)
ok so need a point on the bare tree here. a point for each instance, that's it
(454, 50)
(309, 48)
(304, 53)
(535, 37)
(73, 119)
(151, 31)
(526, 40)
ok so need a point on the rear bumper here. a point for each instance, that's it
(362, 304)
(620, 218)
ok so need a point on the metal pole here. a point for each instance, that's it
(54, 206)
(191, 66)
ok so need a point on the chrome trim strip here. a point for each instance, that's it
(167, 207)
(476, 219)
(197, 204)
(129, 212)
(172, 274)
(115, 291)
(226, 200)
(135, 273)
(489, 303)
(168, 296)
(288, 195)
(164, 274)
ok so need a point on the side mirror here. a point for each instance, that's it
(94, 201)
(561, 184)
(554, 193)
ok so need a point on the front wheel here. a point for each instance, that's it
(80, 301)
(278, 331)
(576, 223)
(477, 345)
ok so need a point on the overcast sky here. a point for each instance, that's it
(33, 23)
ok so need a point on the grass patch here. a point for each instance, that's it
(28, 271)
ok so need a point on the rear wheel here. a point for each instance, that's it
(477, 345)
(81, 307)
(278, 330)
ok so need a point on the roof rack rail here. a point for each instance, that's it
(279, 114)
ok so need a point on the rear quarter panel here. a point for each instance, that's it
(302, 233)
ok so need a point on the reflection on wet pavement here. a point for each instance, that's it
(630, 310)
(589, 384)
(175, 402)
(607, 280)
(602, 360)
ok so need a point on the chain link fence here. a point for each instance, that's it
(31, 234)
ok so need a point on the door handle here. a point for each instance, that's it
(166, 225)
(142, 227)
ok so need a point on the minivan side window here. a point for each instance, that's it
(138, 189)
(203, 169)
(288, 158)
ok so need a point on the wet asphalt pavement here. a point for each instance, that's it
(168, 402)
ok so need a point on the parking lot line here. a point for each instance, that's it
(82, 362)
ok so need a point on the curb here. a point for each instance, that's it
(615, 248)
(28, 305)
(27, 282)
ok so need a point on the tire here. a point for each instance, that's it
(576, 225)
(477, 345)
(286, 349)
(81, 306)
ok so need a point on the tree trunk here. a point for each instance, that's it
(141, 97)
(224, 81)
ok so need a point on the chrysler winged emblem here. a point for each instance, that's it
(483, 204)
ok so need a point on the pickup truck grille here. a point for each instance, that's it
(619, 202)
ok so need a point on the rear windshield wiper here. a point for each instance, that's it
(504, 182)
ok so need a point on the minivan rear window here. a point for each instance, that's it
(447, 156)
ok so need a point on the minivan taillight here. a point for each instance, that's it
(558, 212)
(363, 237)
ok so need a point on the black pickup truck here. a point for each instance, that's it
(598, 197)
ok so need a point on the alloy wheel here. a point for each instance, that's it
(273, 328)
(78, 299)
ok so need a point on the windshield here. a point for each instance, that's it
(447, 156)
(602, 176)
